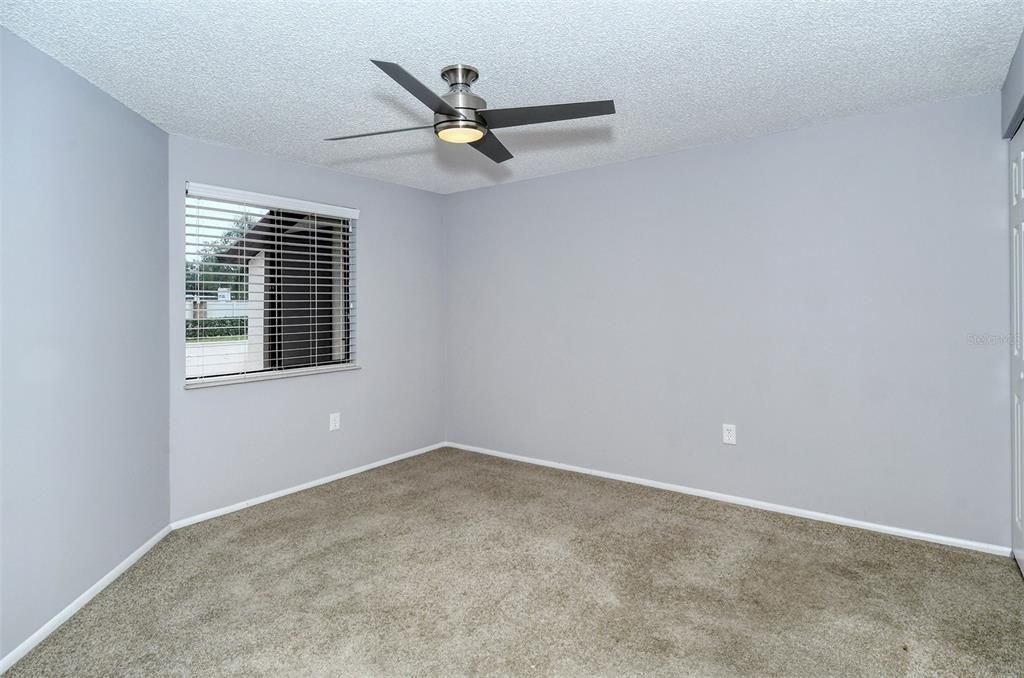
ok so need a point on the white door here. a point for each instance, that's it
(1016, 337)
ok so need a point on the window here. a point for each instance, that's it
(269, 286)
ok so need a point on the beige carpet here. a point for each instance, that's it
(453, 563)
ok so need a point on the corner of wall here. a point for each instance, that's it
(445, 353)
(3, 40)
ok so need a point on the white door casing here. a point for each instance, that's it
(1016, 347)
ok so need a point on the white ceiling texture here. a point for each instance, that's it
(278, 76)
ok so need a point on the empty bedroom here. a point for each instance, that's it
(528, 338)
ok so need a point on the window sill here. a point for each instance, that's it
(265, 376)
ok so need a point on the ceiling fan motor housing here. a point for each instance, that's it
(459, 96)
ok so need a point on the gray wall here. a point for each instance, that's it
(84, 345)
(232, 443)
(1013, 92)
(817, 288)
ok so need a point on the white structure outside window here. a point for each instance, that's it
(269, 286)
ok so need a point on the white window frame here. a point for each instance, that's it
(284, 203)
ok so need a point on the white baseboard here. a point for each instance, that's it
(49, 627)
(994, 549)
(184, 522)
(78, 603)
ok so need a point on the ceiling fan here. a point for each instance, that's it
(461, 117)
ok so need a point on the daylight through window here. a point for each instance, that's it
(269, 287)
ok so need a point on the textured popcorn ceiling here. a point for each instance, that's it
(279, 76)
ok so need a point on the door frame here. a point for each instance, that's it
(1016, 242)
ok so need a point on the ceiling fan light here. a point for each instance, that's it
(460, 135)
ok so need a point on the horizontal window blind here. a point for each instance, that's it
(269, 287)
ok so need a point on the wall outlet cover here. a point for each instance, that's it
(729, 434)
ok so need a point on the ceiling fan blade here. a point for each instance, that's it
(531, 115)
(492, 148)
(373, 134)
(416, 88)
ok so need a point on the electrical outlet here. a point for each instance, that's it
(335, 422)
(729, 434)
